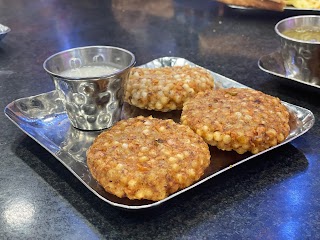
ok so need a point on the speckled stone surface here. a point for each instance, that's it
(274, 196)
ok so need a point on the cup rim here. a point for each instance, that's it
(133, 61)
(276, 28)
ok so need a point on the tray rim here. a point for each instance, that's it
(260, 65)
(10, 114)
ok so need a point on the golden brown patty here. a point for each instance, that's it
(237, 119)
(147, 158)
(166, 88)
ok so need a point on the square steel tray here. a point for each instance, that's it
(43, 118)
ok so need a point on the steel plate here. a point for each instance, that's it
(42, 117)
(287, 8)
(4, 30)
(273, 64)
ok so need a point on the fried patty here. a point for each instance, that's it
(166, 88)
(147, 158)
(239, 119)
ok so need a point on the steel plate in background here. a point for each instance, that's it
(273, 64)
(287, 8)
(4, 30)
(42, 117)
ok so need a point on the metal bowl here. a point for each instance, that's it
(3, 31)
(91, 103)
(301, 58)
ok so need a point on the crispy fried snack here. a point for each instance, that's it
(166, 88)
(239, 119)
(147, 158)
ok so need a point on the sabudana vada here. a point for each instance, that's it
(239, 119)
(166, 88)
(147, 158)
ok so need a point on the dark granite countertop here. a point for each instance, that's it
(273, 196)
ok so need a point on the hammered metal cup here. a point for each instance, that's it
(91, 103)
(301, 58)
